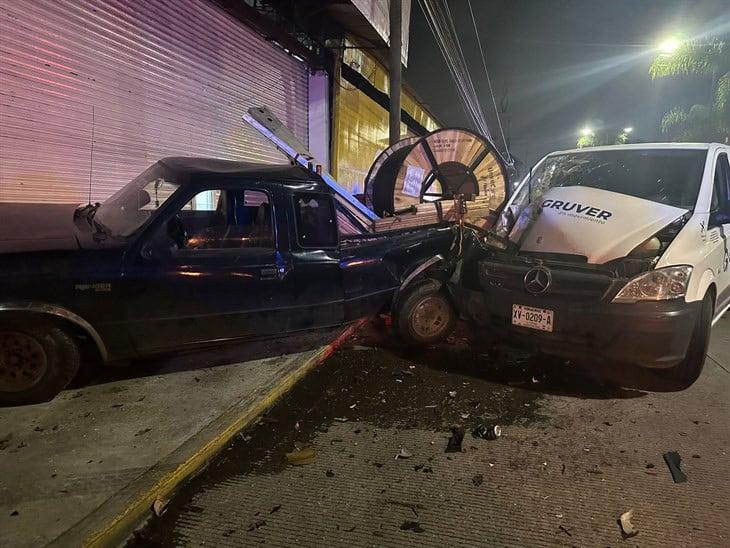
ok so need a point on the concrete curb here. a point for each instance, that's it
(108, 526)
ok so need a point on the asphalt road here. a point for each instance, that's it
(580, 446)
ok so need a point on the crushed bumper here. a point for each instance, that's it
(649, 334)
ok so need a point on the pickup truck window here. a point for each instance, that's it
(228, 219)
(316, 220)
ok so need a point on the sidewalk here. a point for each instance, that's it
(84, 466)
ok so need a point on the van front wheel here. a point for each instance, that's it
(689, 369)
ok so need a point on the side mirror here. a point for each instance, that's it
(718, 218)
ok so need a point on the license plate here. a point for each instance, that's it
(532, 318)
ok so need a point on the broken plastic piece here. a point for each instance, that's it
(403, 454)
(674, 462)
(301, 456)
(456, 439)
(627, 528)
(159, 507)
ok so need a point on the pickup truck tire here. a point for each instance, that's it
(424, 314)
(684, 374)
(37, 361)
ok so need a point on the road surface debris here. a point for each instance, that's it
(674, 461)
(627, 528)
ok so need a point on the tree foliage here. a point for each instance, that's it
(692, 59)
(601, 136)
(700, 122)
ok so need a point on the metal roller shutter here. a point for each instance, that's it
(169, 77)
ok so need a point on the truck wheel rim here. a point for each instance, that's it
(23, 361)
(430, 316)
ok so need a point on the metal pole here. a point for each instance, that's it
(395, 69)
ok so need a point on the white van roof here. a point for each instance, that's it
(645, 146)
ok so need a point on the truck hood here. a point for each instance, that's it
(37, 227)
(598, 224)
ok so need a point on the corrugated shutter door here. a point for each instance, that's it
(165, 78)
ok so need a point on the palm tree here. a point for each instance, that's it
(701, 122)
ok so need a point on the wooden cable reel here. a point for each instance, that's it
(426, 176)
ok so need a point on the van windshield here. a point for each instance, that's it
(667, 176)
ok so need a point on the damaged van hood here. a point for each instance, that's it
(597, 224)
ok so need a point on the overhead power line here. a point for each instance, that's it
(443, 29)
(489, 83)
(441, 23)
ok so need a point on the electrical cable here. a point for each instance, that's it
(441, 23)
(489, 83)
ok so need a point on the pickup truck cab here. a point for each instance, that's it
(192, 252)
(615, 253)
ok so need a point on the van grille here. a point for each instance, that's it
(572, 283)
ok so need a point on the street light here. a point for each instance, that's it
(586, 131)
(669, 46)
(628, 129)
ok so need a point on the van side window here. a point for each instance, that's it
(721, 187)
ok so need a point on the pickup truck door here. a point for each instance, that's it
(315, 281)
(369, 280)
(223, 279)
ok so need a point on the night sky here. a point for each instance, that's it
(559, 64)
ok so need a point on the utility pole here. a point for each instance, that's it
(396, 39)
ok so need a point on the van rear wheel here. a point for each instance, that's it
(37, 361)
(689, 369)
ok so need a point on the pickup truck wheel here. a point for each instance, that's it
(37, 361)
(424, 315)
(688, 370)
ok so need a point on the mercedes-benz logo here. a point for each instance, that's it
(538, 280)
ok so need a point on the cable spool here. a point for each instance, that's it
(445, 165)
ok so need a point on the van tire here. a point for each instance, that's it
(424, 315)
(37, 361)
(689, 369)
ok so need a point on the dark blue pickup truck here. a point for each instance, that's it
(197, 252)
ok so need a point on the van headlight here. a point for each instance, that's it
(656, 285)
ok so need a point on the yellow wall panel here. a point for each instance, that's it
(360, 130)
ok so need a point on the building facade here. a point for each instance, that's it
(93, 92)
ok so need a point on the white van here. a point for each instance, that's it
(617, 253)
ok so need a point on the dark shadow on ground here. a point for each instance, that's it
(189, 360)
(510, 366)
